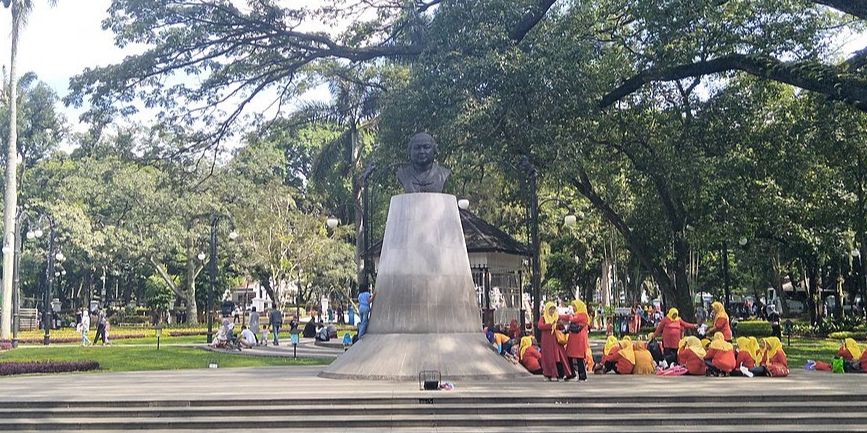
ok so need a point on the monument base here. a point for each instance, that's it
(400, 357)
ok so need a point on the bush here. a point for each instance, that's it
(185, 332)
(29, 367)
(842, 335)
(753, 328)
(5, 345)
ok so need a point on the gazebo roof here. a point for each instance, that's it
(480, 236)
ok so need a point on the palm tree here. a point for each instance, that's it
(353, 109)
(20, 11)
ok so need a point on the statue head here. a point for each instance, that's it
(422, 149)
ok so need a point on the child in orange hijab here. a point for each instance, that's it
(774, 362)
(691, 355)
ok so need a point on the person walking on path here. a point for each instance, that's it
(275, 318)
(254, 325)
(576, 347)
(365, 300)
(84, 327)
(100, 327)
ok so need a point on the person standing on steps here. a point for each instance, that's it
(365, 300)
(275, 319)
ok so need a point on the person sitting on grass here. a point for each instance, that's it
(221, 340)
(720, 357)
(691, 355)
(774, 362)
(248, 338)
(850, 350)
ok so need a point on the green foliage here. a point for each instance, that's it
(158, 294)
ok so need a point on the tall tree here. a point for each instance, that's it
(20, 11)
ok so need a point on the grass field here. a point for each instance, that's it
(120, 358)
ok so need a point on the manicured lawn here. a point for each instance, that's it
(120, 358)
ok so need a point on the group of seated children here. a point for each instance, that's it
(564, 352)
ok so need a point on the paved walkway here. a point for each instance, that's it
(302, 382)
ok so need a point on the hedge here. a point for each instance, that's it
(842, 335)
(753, 328)
(29, 367)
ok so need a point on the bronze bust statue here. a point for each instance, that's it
(422, 174)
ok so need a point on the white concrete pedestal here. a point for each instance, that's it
(425, 315)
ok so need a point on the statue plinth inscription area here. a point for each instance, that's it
(426, 316)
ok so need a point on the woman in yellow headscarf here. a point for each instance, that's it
(577, 346)
(643, 359)
(720, 321)
(748, 352)
(720, 358)
(619, 356)
(691, 355)
(671, 328)
(774, 362)
(555, 363)
(850, 350)
(529, 356)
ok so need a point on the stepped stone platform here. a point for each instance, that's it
(294, 399)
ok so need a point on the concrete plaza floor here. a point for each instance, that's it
(302, 382)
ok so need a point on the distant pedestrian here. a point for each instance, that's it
(774, 320)
(275, 318)
(100, 327)
(84, 327)
(365, 300)
(254, 324)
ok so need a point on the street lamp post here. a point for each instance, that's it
(857, 253)
(49, 282)
(212, 268)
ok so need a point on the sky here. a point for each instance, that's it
(59, 42)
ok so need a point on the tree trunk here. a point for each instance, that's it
(193, 269)
(777, 283)
(11, 195)
(357, 198)
(812, 288)
(681, 296)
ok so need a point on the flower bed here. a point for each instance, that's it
(39, 340)
(29, 367)
(185, 332)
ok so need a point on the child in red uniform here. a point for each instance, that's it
(720, 321)
(620, 357)
(555, 363)
(748, 353)
(720, 358)
(577, 347)
(774, 362)
(691, 355)
(530, 356)
(671, 328)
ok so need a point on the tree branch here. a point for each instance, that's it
(857, 8)
(813, 76)
(530, 19)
